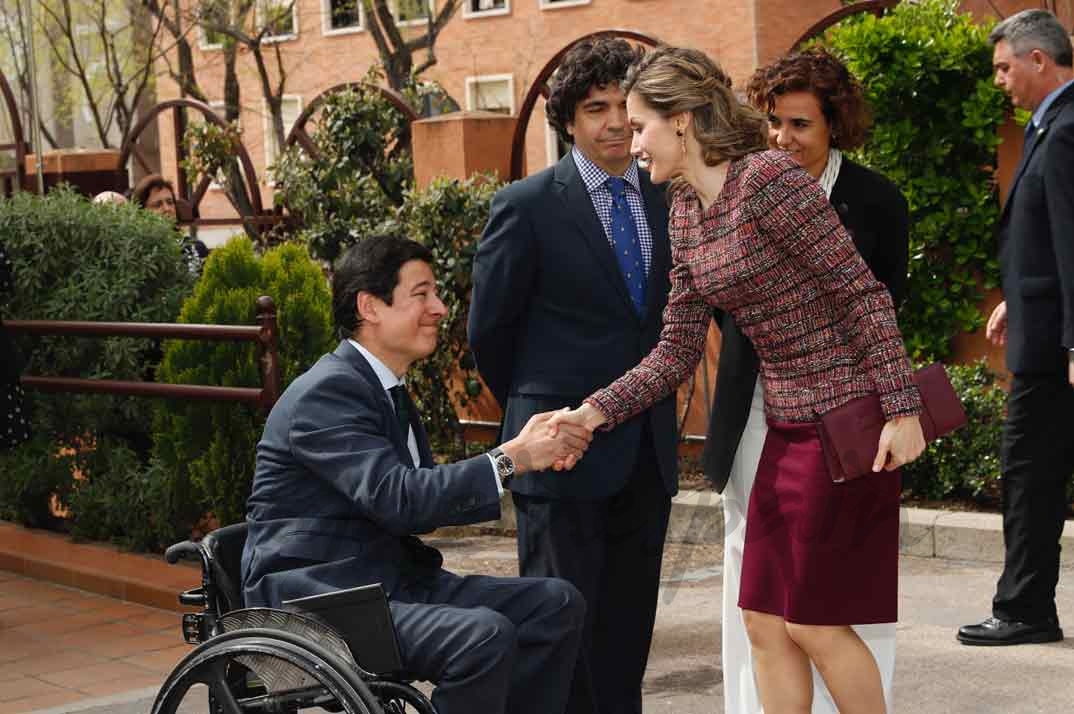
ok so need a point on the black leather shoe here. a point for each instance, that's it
(994, 631)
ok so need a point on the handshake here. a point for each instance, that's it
(554, 440)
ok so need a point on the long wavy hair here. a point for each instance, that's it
(673, 80)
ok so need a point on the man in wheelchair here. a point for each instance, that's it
(345, 478)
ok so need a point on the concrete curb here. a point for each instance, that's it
(696, 518)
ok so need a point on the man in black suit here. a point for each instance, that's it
(345, 477)
(1032, 60)
(570, 280)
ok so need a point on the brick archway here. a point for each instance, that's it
(876, 7)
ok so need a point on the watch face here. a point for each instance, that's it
(505, 465)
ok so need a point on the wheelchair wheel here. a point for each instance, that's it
(263, 670)
(399, 697)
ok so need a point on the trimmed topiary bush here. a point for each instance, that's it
(206, 449)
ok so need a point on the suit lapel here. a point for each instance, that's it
(658, 224)
(579, 206)
(1036, 140)
(346, 352)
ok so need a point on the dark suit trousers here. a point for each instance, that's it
(491, 645)
(611, 550)
(1037, 462)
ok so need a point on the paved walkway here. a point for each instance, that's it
(60, 646)
(63, 650)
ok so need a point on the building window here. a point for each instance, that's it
(485, 8)
(290, 108)
(280, 17)
(554, 4)
(341, 16)
(212, 15)
(491, 93)
(411, 12)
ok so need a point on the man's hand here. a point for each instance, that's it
(586, 416)
(542, 444)
(996, 330)
(901, 441)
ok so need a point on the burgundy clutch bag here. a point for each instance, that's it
(850, 434)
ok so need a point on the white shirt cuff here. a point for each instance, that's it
(495, 475)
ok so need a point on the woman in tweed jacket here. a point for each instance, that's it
(753, 234)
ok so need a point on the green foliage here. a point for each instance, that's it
(360, 176)
(75, 260)
(448, 217)
(206, 449)
(965, 463)
(926, 70)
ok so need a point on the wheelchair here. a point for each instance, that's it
(265, 659)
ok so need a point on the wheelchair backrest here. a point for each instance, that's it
(224, 548)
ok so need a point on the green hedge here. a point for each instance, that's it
(965, 463)
(927, 73)
(75, 260)
(204, 449)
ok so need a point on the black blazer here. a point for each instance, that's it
(872, 209)
(335, 500)
(551, 322)
(1036, 247)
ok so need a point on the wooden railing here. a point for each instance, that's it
(265, 334)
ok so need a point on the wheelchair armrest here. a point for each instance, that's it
(181, 551)
(193, 598)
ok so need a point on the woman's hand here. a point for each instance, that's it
(586, 416)
(901, 442)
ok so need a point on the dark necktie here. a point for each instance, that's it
(1030, 136)
(626, 244)
(404, 407)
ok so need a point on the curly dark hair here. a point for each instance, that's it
(818, 71)
(593, 62)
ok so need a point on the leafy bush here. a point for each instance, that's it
(448, 217)
(361, 174)
(75, 260)
(206, 449)
(965, 463)
(926, 70)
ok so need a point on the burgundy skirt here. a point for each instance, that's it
(817, 552)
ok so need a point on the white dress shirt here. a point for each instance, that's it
(387, 381)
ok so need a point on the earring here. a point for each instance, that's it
(682, 140)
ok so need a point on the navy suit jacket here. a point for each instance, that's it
(335, 500)
(551, 322)
(1036, 247)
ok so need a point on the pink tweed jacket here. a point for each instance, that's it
(772, 252)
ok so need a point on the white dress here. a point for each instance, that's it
(739, 687)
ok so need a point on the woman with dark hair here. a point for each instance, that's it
(752, 233)
(156, 193)
(14, 426)
(816, 111)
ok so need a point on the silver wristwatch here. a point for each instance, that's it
(505, 466)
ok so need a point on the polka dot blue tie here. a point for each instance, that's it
(627, 245)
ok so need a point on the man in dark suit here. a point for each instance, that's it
(570, 280)
(345, 476)
(1032, 60)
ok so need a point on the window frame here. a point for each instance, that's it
(326, 21)
(560, 4)
(472, 81)
(469, 14)
(266, 136)
(272, 39)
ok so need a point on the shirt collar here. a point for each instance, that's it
(1038, 116)
(386, 376)
(595, 177)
